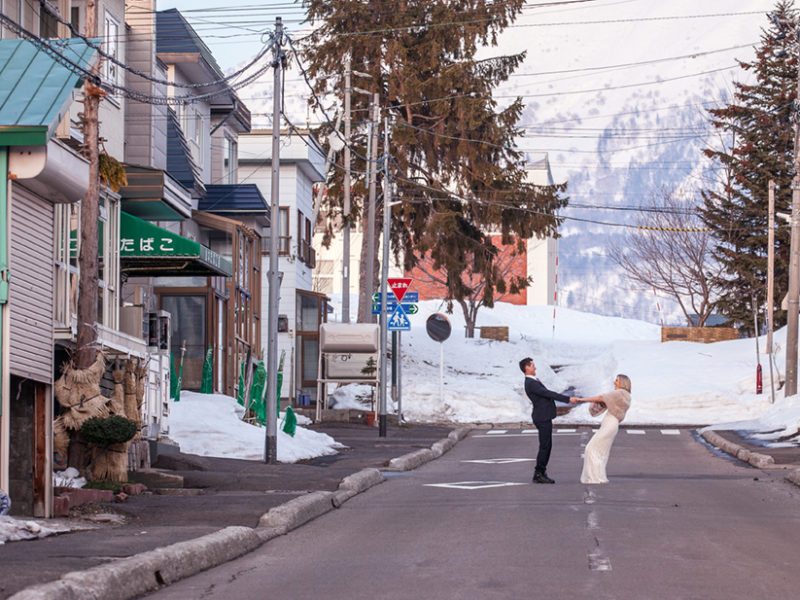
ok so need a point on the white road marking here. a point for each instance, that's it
(592, 521)
(670, 432)
(530, 431)
(496, 432)
(565, 430)
(499, 461)
(589, 497)
(636, 431)
(508, 435)
(599, 562)
(474, 485)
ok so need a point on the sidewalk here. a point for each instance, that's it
(217, 493)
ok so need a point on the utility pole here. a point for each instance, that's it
(271, 442)
(346, 201)
(770, 266)
(387, 200)
(369, 268)
(771, 284)
(794, 267)
(90, 210)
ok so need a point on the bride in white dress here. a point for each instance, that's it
(616, 405)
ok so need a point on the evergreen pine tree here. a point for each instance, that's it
(453, 156)
(759, 126)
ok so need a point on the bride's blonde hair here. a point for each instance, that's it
(624, 382)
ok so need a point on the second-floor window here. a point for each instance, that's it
(229, 160)
(111, 70)
(48, 25)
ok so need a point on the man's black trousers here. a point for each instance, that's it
(545, 429)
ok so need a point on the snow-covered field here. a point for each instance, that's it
(211, 425)
(673, 383)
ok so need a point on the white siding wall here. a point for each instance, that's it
(112, 110)
(542, 268)
(31, 291)
(145, 134)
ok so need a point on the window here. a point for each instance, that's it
(48, 25)
(74, 17)
(229, 160)
(283, 232)
(111, 71)
(67, 269)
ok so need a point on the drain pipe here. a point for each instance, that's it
(5, 431)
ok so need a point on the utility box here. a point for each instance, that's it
(348, 353)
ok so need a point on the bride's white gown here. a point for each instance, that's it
(598, 449)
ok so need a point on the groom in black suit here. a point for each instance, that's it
(544, 411)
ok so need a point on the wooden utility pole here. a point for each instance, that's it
(90, 209)
(794, 269)
(369, 244)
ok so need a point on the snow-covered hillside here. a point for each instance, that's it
(616, 93)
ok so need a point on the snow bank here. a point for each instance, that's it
(211, 425)
(679, 383)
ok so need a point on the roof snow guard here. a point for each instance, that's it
(36, 89)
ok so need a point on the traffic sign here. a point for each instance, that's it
(399, 320)
(409, 298)
(399, 286)
(409, 307)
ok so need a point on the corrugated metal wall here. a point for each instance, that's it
(31, 292)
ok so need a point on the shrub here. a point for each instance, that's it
(108, 430)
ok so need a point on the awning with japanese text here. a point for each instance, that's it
(149, 251)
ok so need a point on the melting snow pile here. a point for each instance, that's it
(16, 530)
(211, 425)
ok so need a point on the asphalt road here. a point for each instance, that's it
(676, 521)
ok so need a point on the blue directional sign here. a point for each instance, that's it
(399, 320)
(408, 307)
(408, 298)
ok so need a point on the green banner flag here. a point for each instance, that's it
(207, 386)
(257, 393)
(289, 421)
(175, 380)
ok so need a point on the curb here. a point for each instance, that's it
(298, 511)
(756, 459)
(794, 477)
(412, 460)
(152, 570)
(148, 571)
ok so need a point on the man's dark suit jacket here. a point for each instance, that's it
(544, 407)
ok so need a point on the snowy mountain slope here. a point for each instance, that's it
(618, 133)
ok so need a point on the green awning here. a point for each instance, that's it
(150, 251)
(35, 89)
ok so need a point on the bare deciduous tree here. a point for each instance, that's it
(671, 252)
